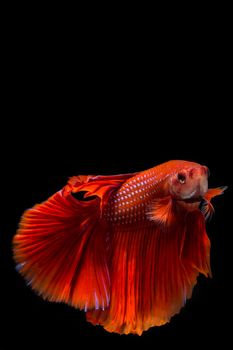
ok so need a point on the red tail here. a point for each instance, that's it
(153, 272)
(60, 246)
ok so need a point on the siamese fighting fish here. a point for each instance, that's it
(126, 249)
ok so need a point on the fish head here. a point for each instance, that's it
(189, 183)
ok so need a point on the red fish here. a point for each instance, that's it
(129, 252)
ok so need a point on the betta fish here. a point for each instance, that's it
(127, 249)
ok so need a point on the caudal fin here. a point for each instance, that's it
(153, 272)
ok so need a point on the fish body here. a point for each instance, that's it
(130, 203)
(131, 254)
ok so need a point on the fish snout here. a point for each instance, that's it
(203, 185)
(200, 171)
(200, 176)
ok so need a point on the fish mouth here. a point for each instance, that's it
(193, 197)
(192, 203)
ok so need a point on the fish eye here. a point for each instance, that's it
(181, 178)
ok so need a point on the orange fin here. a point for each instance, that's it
(60, 250)
(101, 186)
(161, 211)
(206, 207)
(195, 252)
(213, 192)
(60, 246)
(153, 272)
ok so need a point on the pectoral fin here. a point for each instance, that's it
(213, 192)
(161, 211)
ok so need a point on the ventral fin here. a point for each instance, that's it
(206, 207)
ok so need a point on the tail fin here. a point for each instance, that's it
(60, 246)
(153, 272)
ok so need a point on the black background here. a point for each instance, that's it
(87, 112)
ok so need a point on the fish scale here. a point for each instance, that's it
(129, 204)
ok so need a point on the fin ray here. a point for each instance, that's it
(60, 246)
(153, 272)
